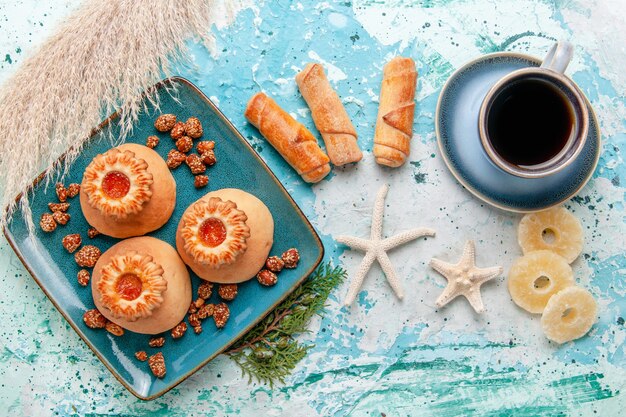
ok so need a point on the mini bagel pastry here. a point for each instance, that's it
(537, 276)
(560, 225)
(225, 236)
(142, 285)
(127, 191)
(569, 314)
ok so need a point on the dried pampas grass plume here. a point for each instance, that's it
(100, 60)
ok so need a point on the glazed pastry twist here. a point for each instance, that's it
(329, 115)
(291, 139)
(394, 125)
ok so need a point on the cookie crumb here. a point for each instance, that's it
(267, 278)
(152, 141)
(195, 164)
(156, 363)
(208, 158)
(192, 308)
(47, 223)
(94, 319)
(206, 311)
(291, 257)
(199, 302)
(221, 314)
(274, 264)
(61, 217)
(227, 292)
(72, 242)
(205, 145)
(184, 144)
(179, 330)
(87, 256)
(200, 181)
(156, 342)
(194, 320)
(61, 192)
(178, 131)
(193, 128)
(175, 159)
(165, 122)
(54, 207)
(205, 290)
(114, 329)
(83, 277)
(73, 190)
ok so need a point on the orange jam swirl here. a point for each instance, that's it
(128, 286)
(115, 184)
(212, 232)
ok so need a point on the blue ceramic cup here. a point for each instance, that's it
(534, 121)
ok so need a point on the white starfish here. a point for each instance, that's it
(376, 249)
(464, 278)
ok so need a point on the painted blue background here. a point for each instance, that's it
(380, 355)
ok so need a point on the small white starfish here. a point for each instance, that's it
(464, 278)
(376, 249)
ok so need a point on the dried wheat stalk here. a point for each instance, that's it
(98, 61)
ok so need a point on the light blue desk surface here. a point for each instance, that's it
(380, 355)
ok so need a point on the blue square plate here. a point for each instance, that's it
(238, 166)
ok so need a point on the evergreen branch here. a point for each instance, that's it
(269, 352)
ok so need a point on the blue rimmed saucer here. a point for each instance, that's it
(456, 126)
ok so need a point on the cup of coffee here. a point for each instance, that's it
(534, 121)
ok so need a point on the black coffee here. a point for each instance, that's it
(529, 122)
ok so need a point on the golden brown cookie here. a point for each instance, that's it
(127, 191)
(142, 285)
(226, 236)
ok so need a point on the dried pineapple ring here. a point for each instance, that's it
(536, 276)
(555, 229)
(569, 314)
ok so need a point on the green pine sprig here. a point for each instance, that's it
(270, 351)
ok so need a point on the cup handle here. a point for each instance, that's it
(558, 57)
